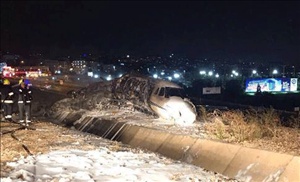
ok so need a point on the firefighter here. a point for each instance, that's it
(1, 108)
(24, 102)
(7, 96)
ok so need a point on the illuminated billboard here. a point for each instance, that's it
(272, 84)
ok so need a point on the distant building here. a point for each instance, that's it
(52, 64)
(58, 67)
(94, 67)
(79, 66)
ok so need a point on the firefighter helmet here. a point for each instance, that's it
(6, 82)
(27, 82)
(21, 81)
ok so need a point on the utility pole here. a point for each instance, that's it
(294, 73)
(283, 70)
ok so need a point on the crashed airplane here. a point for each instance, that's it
(167, 100)
(151, 96)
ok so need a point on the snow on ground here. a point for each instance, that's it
(105, 164)
(195, 129)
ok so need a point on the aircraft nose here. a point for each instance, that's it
(181, 111)
(187, 116)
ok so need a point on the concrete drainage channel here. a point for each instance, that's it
(230, 160)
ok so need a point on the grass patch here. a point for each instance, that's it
(238, 126)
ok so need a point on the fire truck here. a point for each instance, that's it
(32, 71)
(8, 72)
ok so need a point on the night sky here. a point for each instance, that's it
(231, 30)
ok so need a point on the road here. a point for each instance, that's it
(59, 84)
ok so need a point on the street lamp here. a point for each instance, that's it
(235, 73)
(202, 72)
(275, 72)
(176, 75)
(254, 73)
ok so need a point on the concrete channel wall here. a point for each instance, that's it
(234, 161)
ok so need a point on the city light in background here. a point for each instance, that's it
(202, 72)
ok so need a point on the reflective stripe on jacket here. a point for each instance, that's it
(8, 101)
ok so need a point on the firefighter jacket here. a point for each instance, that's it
(7, 94)
(25, 96)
